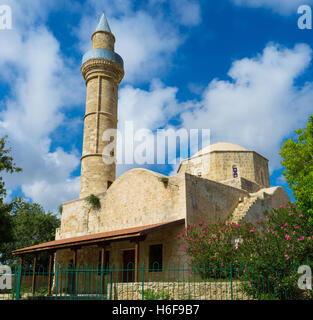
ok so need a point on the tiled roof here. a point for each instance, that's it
(91, 239)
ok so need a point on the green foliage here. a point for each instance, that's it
(284, 242)
(6, 233)
(60, 209)
(94, 201)
(150, 294)
(211, 246)
(30, 226)
(6, 164)
(266, 258)
(298, 162)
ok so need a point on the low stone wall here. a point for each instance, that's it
(177, 291)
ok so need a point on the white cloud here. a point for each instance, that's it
(59, 192)
(40, 81)
(145, 38)
(147, 109)
(261, 104)
(284, 7)
(188, 12)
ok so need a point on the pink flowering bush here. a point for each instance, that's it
(211, 246)
(267, 254)
(284, 241)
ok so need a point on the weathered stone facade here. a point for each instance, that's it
(102, 78)
(222, 181)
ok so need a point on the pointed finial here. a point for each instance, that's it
(103, 24)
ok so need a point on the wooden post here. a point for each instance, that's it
(74, 257)
(34, 275)
(136, 259)
(50, 272)
(21, 260)
(102, 256)
(74, 283)
(102, 278)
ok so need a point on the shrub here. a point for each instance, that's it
(284, 241)
(266, 258)
(211, 246)
(94, 201)
(150, 294)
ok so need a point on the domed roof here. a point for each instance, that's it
(103, 53)
(220, 146)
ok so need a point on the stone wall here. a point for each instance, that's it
(218, 166)
(267, 199)
(209, 200)
(139, 197)
(242, 183)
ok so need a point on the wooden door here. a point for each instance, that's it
(128, 265)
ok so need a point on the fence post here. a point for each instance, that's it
(111, 282)
(231, 281)
(18, 284)
(143, 280)
(14, 283)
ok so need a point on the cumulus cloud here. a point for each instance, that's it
(40, 79)
(284, 7)
(145, 38)
(260, 105)
(147, 110)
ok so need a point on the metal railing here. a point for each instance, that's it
(114, 282)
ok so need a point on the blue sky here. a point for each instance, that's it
(242, 68)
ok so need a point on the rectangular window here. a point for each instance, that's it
(155, 257)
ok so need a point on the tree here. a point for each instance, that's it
(7, 165)
(298, 162)
(30, 226)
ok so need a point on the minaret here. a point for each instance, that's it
(103, 71)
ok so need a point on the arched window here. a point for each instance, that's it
(235, 171)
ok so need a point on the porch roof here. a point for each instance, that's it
(98, 238)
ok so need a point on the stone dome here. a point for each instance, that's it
(220, 146)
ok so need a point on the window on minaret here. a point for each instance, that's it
(109, 184)
(235, 172)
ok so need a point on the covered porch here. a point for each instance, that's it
(126, 255)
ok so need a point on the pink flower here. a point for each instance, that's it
(287, 257)
(286, 224)
(287, 237)
(300, 215)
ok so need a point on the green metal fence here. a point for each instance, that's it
(115, 282)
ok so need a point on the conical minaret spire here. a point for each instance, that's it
(103, 24)
(102, 70)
